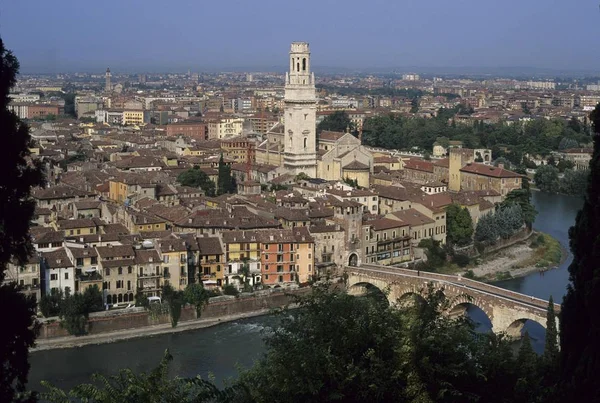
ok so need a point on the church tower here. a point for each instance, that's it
(300, 137)
(107, 85)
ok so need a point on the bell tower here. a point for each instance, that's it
(107, 84)
(300, 114)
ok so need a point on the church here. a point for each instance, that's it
(292, 145)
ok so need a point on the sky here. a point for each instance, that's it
(202, 35)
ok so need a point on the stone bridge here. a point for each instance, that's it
(507, 310)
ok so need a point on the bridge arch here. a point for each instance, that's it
(353, 259)
(409, 298)
(515, 329)
(365, 288)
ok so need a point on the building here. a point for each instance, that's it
(300, 140)
(580, 157)
(474, 176)
(133, 118)
(59, 271)
(193, 129)
(107, 83)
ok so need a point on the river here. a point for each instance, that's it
(220, 349)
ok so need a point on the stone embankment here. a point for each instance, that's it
(105, 327)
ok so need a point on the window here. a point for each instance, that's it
(54, 277)
(79, 261)
(94, 260)
(128, 285)
(279, 268)
(280, 279)
(309, 256)
(219, 267)
(66, 276)
(120, 270)
(129, 270)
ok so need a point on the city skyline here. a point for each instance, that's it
(437, 35)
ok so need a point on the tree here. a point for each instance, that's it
(50, 303)
(580, 322)
(75, 309)
(566, 143)
(175, 300)
(459, 225)
(527, 385)
(564, 164)
(338, 121)
(551, 347)
(195, 294)
(19, 175)
(225, 182)
(414, 105)
(436, 256)
(198, 179)
(522, 197)
(573, 182)
(487, 229)
(546, 178)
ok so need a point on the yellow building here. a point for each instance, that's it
(133, 118)
(173, 252)
(83, 226)
(211, 262)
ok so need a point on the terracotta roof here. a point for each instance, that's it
(356, 165)
(419, 165)
(210, 246)
(57, 259)
(412, 217)
(118, 251)
(489, 170)
(579, 151)
(383, 224)
(327, 135)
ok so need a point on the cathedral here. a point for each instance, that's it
(292, 145)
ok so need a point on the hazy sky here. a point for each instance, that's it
(151, 35)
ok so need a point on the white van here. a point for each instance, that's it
(154, 300)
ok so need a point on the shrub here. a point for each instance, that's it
(229, 289)
(469, 274)
(461, 260)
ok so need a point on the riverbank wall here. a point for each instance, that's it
(218, 308)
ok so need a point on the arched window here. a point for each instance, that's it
(305, 142)
(304, 64)
(298, 67)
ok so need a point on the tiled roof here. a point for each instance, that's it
(489, 170)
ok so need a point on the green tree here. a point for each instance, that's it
(414, 105)
(459, 225)
(546, 178)
(175, 300)
(75, 309)
(579, 320)
(564, 164)
(522, 197)
(195, 294)
(198, 179)
(225, 182)
(551, 347)
(338, 121)
(487, 231)
(436, 256)
(50, 303)
(528, 382)
(574, 182)
(19, 175)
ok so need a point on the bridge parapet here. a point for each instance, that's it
(507, 310)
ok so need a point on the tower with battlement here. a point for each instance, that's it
(107, 84)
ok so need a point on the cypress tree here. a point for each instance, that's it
(580, 319)
(551, 347)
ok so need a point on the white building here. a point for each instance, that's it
(24, 97)
(58, 271)
(300, 114)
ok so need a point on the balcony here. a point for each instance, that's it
(89, 276)
(167, 275)
(148, 275)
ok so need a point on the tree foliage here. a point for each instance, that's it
(195, 294)
(538, 136)
(19, 174)
(225, 182)
(504, 223)
(546, 178)
(459, 225)
(175, 300)
(574, 182)
(74, 310)
(197, 179)
(522, 197)
(338, 121)
(436, 256)
(580, 322)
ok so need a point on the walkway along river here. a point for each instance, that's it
(218, 349)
